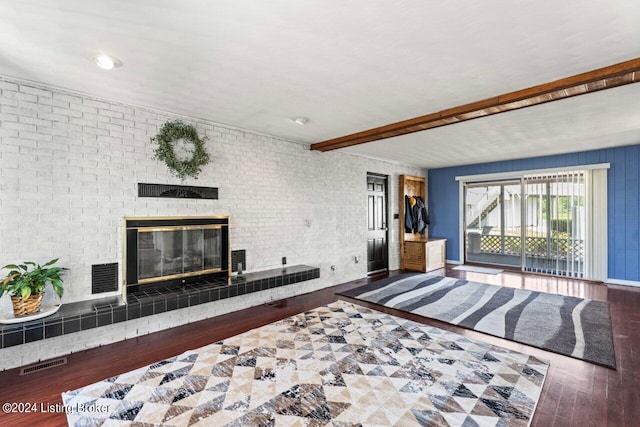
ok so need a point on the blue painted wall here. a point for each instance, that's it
(623, 206)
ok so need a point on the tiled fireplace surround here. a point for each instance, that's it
(158, 289)
(86, 315)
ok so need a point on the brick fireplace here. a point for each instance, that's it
(174, 251)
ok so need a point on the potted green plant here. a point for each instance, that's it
(25, 284)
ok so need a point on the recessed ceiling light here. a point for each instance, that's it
(107, 62)
(301, 120)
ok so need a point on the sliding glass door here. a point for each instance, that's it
(552, 209)
(556, 226)
(493, 218)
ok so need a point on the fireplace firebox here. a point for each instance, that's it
(174, 251)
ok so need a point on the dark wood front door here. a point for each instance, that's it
(377, 223)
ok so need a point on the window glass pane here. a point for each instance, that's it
(493, 220)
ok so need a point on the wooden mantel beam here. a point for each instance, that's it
(592, 81)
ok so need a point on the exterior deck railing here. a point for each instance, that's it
(535, 246)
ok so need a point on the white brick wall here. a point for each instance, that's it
(69, 168)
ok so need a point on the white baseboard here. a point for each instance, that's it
(452, 261)
(622, 282)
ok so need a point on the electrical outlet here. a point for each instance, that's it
(284, 260)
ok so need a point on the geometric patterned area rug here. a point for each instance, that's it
(571, 326)
(336, 365)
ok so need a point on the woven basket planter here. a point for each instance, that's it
(24, 308)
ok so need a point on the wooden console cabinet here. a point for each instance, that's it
(424, 255)
(417, 251)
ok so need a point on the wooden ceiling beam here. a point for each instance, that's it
(592, 81)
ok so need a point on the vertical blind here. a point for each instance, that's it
(555, 218)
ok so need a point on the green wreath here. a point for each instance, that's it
(174, 131)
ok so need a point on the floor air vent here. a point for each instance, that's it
(44, 365)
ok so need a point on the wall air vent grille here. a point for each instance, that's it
(177, 191)
(104, 278)
(239, 256)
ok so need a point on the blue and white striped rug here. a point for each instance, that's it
(571, 326)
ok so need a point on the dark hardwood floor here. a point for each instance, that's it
(576, 393)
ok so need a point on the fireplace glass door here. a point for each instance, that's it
(172, 252)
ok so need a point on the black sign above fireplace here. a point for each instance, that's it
(177, 191)
(171, 251)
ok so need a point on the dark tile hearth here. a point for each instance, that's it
(84, 315)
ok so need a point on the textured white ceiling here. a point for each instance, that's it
(348, 66)
(599, 120)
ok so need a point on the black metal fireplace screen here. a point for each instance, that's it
(175, 250)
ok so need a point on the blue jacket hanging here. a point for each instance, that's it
(408, 215)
